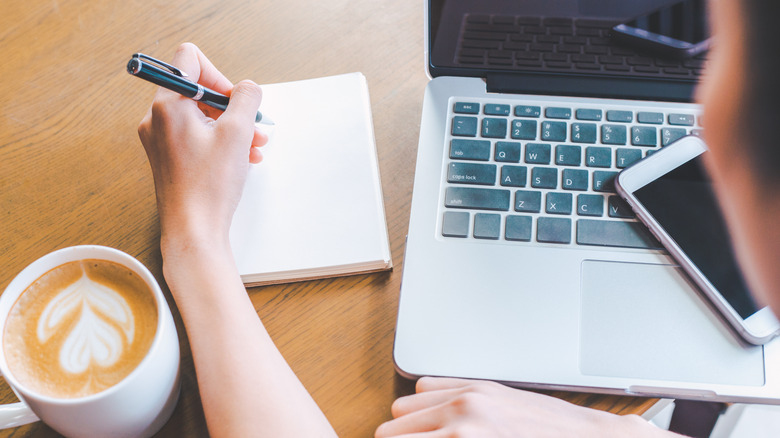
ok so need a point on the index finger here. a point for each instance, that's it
(191, 60)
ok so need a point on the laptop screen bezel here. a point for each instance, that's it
(560, 83)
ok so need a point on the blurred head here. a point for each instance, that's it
(741, 97)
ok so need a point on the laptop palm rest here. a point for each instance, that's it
(644, 321)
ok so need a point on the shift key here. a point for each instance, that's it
(480, 199)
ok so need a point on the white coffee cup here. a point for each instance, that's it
(138, 406)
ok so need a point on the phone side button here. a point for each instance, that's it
(615, 233)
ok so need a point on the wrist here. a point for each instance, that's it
(186, 251)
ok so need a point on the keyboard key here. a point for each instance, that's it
(648, 117)
(553, 131)
(487, 226)
(472, 173)
(639, 61)
(508, 152)
(643, 69)
(627, 157)
(544, 177)
(470, 149)
(514, 176)
(552, 64)
(493, 109)
(615, 233)
(605, 59)
(553, 230)
(590, 205)
(670, 135)
(528, 111)
(455, 224)
(557, 112)
(493, 127)
(610, 67)
(617, 207)
(588, 114)
(613, 134)
(480, 199)
(583, 132)
(518, 228)
(574, 179)
(597, 50)
(527, 201)
(604, 180)
(585, 59)
(464, 126)
(620, 116)
(558, 203)
(568, 155)
(523, 129)
(466, 108)
(596, 156)
(537, 153)
(540, 47)
(681, 119)
(644, 136)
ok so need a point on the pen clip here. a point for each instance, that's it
(161, 64)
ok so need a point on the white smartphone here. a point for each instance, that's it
(672, 195)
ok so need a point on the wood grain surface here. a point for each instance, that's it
(72, 170)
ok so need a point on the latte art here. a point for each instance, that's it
(104, 325)
(80, 328)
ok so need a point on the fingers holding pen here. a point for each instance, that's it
(190, 59)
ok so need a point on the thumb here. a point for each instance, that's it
(244, 101)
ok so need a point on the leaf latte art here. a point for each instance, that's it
(80, 328)
(103, 318)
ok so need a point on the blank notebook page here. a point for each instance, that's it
(313, 207)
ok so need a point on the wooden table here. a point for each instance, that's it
(72, 170)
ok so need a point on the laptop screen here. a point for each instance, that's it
(547, 47)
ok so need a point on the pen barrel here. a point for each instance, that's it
(162, 78)
(181, 85)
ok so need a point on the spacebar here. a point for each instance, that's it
(615, 233)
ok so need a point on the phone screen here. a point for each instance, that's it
(684, 204)
(683, 21)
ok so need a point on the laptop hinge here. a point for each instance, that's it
(590, 86)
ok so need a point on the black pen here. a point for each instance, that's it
(170, 77)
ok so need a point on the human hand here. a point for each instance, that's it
(445, 407)
(199, 155)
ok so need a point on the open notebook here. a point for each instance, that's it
(313, 208)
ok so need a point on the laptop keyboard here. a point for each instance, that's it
(530, 171)
(560, 44)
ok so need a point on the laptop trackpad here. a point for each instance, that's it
(645, 321)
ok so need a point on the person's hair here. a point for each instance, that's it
(760, 115)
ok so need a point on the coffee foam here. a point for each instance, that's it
(95, 323)
(102, 316)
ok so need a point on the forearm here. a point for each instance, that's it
(246, 386)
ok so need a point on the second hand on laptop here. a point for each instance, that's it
(170, 77)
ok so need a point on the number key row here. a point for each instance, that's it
(613, 134)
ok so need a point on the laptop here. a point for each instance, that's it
(522, 265)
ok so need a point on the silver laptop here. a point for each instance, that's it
(522, 265)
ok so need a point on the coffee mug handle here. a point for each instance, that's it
(16, 414)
